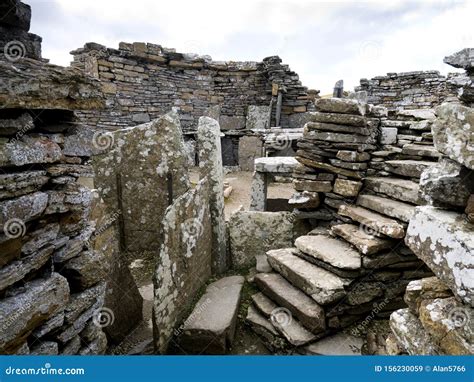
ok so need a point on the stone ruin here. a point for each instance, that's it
(373, 254)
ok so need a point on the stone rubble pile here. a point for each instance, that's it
(52, 270)
(440, 315)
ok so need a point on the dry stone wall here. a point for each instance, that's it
(52, 269)
(410, 90)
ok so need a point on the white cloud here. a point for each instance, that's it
(323, 41)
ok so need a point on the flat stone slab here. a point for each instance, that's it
(291, 329)
(323, 286)
(444, 240)
(263, 327)
(341, 105)
(330, 250)
(400, 189)
(374, 221)
(211, 326)
(421, 150)
(385, 206)
(262, 264)
(341, 119)
(364, 242)
(264, 304)
(411, 168)
(303, 307)
(282, 165)
(338, 344)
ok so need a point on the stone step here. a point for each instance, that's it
(421, 150)
(210, 328)
(330, 250)
(263, 327)
(393, 208)
(323, 286)
(400, 189)
(337, 344)
(283, 321)
(363, 241)
(303, 307)
(411, 168)
(372, 222)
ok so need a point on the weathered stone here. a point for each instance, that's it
(410, 333)
(250, 148)
(352, 156)
(373, 221)
(340, 105)
(232, 123)
(453, 133)
(258, 192)
(364, 292)
(47, 327)
(337, 344)
(305, 309)
(15, 213)
(262, 264)
(363, 241)
(45, 348)
(29, 150)
(449, 323)
(186, 245)
(263, 327)
(400, 189)
(264, 304)
(85, 270)
(257, 117)
(338, 137)
(444, 241)
(291, 329)
(385, 206)
(96, 347)
(139, 173)
(342, 119)
(313, 185)
(253, 233)
(323, 286)
(305, 199)
(411, 168)
(463, 59)
(22, 313)
(71, 347)
(320, 126)
(330, 250)
(388, 135)
(470, 208)
(348, 165)
(447, 184)
(276, 165)
(425, 289)
(210, 163)
(20, 183)
(421, 150)
(210, 328)
(346, 187)
(328, 167)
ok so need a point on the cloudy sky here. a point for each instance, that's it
(323, 41)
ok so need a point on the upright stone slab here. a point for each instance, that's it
(210, 163)
(141, 171)
(250, 147)
(184, 262)
(257, 117)
(445, 242)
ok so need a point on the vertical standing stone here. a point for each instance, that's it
(338, 89)
(210, 163)
(258, 193)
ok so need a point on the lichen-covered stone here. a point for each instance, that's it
(445, 242)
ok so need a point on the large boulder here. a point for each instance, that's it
(453, 133)
(444, 240)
